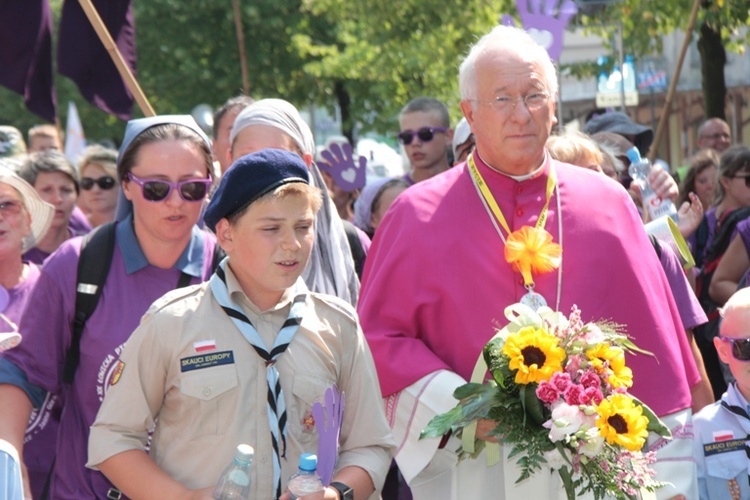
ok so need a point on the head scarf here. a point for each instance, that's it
(363, 205)
(137, 127)
(331, 267)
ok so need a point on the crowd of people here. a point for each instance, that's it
(185, 294)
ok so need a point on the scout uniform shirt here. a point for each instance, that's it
(190, 366)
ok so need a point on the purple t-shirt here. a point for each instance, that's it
(41, 434)
(132, 286)
(691, 312)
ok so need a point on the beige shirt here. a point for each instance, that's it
(202, 404)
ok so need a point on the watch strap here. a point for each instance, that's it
(345, 491)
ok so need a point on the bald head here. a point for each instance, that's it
(736, 314)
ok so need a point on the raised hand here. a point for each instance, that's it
(339, 163)
(537, 18)
(328, 423)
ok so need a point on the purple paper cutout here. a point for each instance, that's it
(328, 422)
(539, 21)
(339, 163)
(4, 299)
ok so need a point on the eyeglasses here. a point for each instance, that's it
(425, 134)
(718, 135)
(10, 208)
(158, 190)
(106, 183)
(506, 104)
(746, 177)
(740, 348)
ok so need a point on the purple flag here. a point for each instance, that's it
(26, 54)
(81, 56)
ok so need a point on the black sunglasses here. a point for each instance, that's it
(425, 134)
(746, 177)
(740, 348)
(158, 190)
(106, 183)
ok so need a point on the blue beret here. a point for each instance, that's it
(249, 178)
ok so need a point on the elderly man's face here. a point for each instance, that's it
(715, 135)
(511, 140)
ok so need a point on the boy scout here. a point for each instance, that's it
(243, 358)
(722, 429)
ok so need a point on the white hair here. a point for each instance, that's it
(504, 36)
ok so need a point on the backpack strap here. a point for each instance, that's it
(97, 249)
(656, 245)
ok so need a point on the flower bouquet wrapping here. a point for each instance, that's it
(559, 394)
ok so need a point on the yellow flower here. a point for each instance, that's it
(609, 361)
(534, 353)
(621, 422)
(531, 250)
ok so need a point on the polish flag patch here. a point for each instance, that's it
(723, 436)
(204, 345)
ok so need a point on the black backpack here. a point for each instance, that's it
(94, 262)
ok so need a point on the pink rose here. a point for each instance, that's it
(561, 381)
(591, 379)
(547, 393)
(574, 395)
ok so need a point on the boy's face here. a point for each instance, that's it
(268, 246)
(736, 324)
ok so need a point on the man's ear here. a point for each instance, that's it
(722, 348)
(468, 111)
(225, 235)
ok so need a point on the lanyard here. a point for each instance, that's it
(490, 199)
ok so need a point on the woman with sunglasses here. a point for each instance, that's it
(98, 169)
(164, 166)
(24, 219)
(56, 181)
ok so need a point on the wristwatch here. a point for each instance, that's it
(345, 491)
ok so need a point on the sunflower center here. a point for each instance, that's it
(533, 355)
(618, 424)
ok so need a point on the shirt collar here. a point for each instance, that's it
(520, 178)
(239, 296)
(190, 261)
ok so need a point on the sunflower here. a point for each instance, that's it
(622, 422)
(609, 362)
(535, 355)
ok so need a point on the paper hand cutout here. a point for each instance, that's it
(537, 18)
(329, 428)
(339, 163)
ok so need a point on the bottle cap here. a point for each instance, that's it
(633, 155)
(308, 461)
(245, 452)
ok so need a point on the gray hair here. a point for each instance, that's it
(45, 162)
(504, 36)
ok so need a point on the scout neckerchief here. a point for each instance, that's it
(276, 407)
(528, 250)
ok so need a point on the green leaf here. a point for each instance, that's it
(531, 404)
(654, 423)
(441, 424)
(570, 491)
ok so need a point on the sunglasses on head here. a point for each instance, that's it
(740, 348)
(106, 183)
(158, 189)
(425, 134)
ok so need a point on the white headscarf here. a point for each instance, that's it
(331, 267)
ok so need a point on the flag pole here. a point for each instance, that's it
(673, 84)
(122, 67)
(241, 44)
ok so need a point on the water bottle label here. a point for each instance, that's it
(239, 478)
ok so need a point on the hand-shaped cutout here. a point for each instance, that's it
(339, 163)
(329, 428)
(537, 18)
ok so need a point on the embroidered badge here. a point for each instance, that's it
(117, 373)
(204, 345)
(206, 361)
(723, 447)
(723, 435)
(308, 422)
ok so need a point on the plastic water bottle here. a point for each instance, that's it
(639, 170)
(628, 73)
(305, 481)
(234, 483)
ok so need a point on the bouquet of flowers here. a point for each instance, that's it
(558, 393)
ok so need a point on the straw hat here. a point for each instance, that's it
(41, 212)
